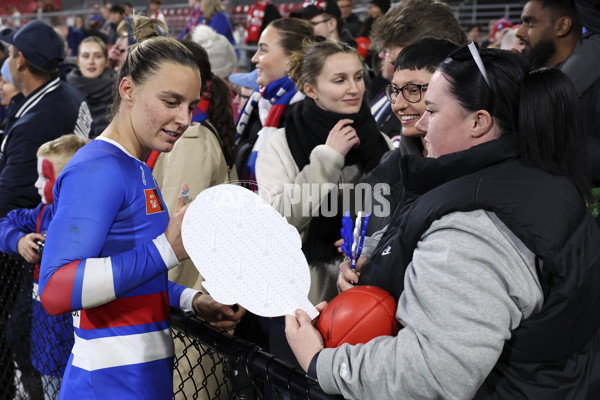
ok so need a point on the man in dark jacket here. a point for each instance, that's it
(552, 34)
(50, 108)
(351, 21)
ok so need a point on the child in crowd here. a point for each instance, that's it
(22, 232)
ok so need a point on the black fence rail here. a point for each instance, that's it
(208, 364)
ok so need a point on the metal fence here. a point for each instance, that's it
(208, 364)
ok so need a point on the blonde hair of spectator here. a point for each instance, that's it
(61, 150)
(210, 8)
(306, 64)
(98, 41)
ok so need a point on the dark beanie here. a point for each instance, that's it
(383, 4)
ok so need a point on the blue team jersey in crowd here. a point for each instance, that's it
(106, 254)
(51, 337)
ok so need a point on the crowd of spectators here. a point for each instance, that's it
(335, 98)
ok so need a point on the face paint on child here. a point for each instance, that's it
(46, 179)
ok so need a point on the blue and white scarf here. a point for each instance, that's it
(278, 95)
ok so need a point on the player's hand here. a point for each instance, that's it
(220, 316)
(28, 248)
(342, 137)
(303, 338)
(347, 278)
(173, 231)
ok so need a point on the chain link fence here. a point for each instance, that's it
(209, 364)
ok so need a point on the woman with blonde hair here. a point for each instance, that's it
(94, 79)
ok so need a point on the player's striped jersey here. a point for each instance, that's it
(106, 258)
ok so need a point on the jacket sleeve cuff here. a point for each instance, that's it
(312, 367)
(325, 374)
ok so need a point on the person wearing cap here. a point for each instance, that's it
(375, 10)
(498, 31)
(326, 18)
(221, 53)
(378, 7)
(9, 94)
(244, 85)
(50, 109)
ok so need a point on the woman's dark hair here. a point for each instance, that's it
(306, 65)
(145, 59)
(292, 33)
(539, 108)
(500, 98)
(551, 134)
(425, 54)
(216, 90)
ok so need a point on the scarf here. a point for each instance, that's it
(279, 94)
(195, 18)
(254, 20)
(308, 127)
(98, 95)
(200, 112)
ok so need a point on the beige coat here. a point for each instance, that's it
(196, 159)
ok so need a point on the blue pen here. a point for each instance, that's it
(356, 239)
(347, 234)
(362, 235)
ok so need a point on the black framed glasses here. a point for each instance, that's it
(412, 92)
(319, 22)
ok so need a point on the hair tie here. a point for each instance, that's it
(206, 93)
(160, 30)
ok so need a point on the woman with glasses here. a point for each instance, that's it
(414, 67)
(493, 255)
(412, 71)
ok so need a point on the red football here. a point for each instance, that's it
(358, 315)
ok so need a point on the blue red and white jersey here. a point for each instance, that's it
(51, 336)
(106, 258)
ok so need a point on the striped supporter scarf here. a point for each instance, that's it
(279, 93)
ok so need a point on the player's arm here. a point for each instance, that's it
(221, 316)
(72, 275)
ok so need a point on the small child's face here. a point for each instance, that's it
(46, 179)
